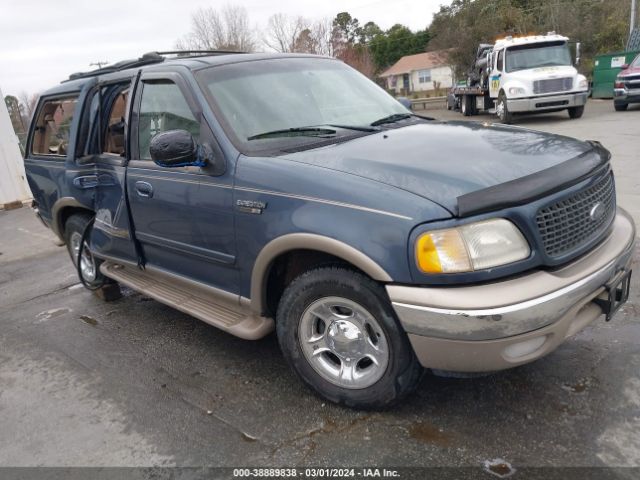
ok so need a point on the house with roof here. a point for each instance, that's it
(422, 72)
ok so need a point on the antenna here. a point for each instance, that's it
(98, 64)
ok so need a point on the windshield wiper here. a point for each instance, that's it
(357, 128)
(294, 132)
(395, 117)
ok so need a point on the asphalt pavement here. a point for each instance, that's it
(136, 383)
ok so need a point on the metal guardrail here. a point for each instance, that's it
(428, 103)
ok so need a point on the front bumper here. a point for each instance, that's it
(622, 95)
(488, 327)
(547, 102)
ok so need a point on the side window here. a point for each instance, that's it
(500, 62)
(162, 108)
(53, 124)
(424, 76)
(114, 135)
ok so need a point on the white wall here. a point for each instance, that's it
(13, 183)
(444, 75)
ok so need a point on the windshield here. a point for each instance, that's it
(255, 97)
(636, 62)
(537, 55)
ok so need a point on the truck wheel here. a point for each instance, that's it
(89, 266)
(575, 112)
(466, 105)
(620, 107)
(338, 332)
(502, 109)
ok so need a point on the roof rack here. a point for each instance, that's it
(147, 59)
(195, 53)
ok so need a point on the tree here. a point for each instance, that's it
(600, 25)
(347, 28)
(224, 29)
(15, 114)
(27, 105)
(283, 32)
(388, 47)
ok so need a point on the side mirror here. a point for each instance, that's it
(578, 53)
(175, 148)
(406, 103)
(624, 67)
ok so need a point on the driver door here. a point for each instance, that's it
(496, 73)
(183, 216)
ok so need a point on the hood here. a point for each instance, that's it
(630, 71)
(442, 161)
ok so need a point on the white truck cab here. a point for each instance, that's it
(535, 73)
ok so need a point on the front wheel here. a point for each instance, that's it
(576, 112)
(620, 107)
(338, 332)
(502, 109)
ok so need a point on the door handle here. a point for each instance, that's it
(144, 189)
(86, 181)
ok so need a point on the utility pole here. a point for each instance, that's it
(632, 23)
(100, 64)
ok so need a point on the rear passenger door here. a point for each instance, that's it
(101, 169)
(183, 216)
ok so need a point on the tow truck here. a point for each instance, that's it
(517, 75)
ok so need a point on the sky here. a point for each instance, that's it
(42, 41)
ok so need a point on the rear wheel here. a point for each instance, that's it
(338, 332)
(502, 109)
(576, 112)
(467, 108)
(620, 107)
(89, 265)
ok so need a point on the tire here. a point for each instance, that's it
(465, 105)
(620, 107)
(575, 112)
(73, 230)
(503, 112)
(351, 314)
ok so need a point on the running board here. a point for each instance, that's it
(205, 303)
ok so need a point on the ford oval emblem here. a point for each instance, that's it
(597, 212)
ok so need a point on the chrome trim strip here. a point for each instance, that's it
(510, 308)
(322, 200)
(109, 229)
(194, 182)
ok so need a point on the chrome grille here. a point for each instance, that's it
(567, 225)
(632, 82)
(553, 85)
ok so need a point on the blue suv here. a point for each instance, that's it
(288, 192)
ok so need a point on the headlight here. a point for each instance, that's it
(516, 91)
(583, 84)
(475, 246)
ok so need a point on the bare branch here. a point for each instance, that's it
(224, 29)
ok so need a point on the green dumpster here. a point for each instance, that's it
(605, 69)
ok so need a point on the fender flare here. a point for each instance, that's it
(56, 214)
(306, 241)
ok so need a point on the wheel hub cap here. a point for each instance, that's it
(343, 342)
(345, 339)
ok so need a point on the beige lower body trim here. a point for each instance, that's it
(217, 308)
(500, 354)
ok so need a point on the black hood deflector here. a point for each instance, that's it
(537, 185)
